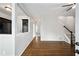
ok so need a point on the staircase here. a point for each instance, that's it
(72, 38)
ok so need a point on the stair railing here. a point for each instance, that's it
(70, 33)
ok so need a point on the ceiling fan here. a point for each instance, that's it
(71, 6)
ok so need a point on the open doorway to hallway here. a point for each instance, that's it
(53, 33)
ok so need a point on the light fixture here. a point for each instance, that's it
(8, 8)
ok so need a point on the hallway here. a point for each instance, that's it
(48, 48)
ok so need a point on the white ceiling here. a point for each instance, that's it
(3, 10)
(46, 10)
(18, 11)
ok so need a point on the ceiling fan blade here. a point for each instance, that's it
(67, 5)
(69, 9)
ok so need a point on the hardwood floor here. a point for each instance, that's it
(48, 48)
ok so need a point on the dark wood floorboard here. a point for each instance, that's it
(48, 48)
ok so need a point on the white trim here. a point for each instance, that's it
(51, 40)
(13, 27)
(19, 54)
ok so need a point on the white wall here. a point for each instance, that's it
(77, 27)
(6, 40)
(4, 15)
(53, 30)
(69, 22)
(34, 30)
(22, 40)
(6, 45)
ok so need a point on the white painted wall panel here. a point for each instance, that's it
(51, 30)
(6, 40)
(6, 45)
(77, 27)
(22, 40)
(5, 15)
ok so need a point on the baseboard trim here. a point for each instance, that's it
(20, 54)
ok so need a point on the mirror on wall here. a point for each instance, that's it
(25, 25)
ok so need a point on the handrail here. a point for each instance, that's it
(67, 29)
(71, 35)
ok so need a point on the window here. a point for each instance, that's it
(5, 26)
